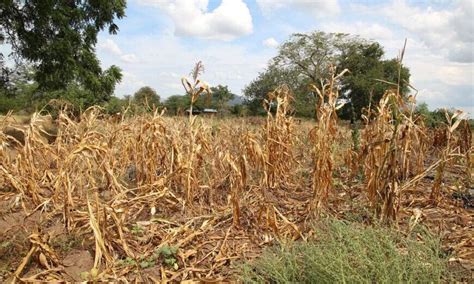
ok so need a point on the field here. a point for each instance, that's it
(157, 198)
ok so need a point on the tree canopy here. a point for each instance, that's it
(361, 87)
(146, 96)
(219, 99)
(269, 80)
(307, 58)
(58, 39)
(220, 96)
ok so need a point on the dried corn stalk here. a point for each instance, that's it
(446, 154)
(466, 148)
(193, 88)
(381, 148)
(323, 136)
(238, 181)
(278, 139)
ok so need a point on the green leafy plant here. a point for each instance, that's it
(127, 262)
(349, 253)
(165, 255)
(137, 230)
(168, 255)
(146, 263)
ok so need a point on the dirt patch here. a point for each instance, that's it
(12, 223)
(77, 262)
(14, 231)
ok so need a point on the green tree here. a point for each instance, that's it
(177, 103)
(19, 99)
(221, 95)
(308, 58)
(239, 110)
(3, 70)
(146, 97)
(312, 54)
(361, 87)
(434, 118)
(17, 90)
(59, 38)
(267, 81)
(116, 105)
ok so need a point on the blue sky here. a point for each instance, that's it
(160, 40)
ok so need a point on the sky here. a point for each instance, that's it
(160, 41)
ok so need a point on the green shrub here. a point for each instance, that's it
(350, 253)
(115, 105)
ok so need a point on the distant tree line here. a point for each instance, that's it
(146, 99)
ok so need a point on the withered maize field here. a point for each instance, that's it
(155, 198)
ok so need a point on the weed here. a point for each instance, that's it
(349, 253)
(168, 255)
(137, 230)
(66, 243)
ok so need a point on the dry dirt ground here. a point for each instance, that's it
(452, 220)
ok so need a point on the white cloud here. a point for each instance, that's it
(131, 82)
(109, 46)
(366, 30)
(442, 83)
(270, 42)
(129, 58)
(317, 8)
(449, 31)
(230, 20)
(165, 59)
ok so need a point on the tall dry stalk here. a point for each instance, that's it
(238, 181)
(382, 150)
(278, 139)
(394, 149)
(446, 154)
(419, 149)
(466, 148)
(194, 88)
(271, 153)
(323, 138)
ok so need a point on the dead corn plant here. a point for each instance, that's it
(420, 146)
(193, 88)
(448, 152)
(351, 157)
(381, 149)
(466, 148)
(413, 139)
(238, 181)
(394, 149)
(272, 155)
(278, 139)
(323, 138)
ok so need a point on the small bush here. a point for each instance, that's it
(349, 253)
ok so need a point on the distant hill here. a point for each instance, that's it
(237, 100)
